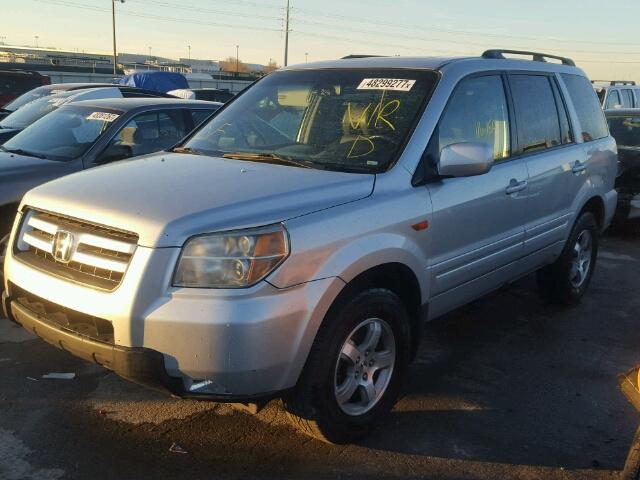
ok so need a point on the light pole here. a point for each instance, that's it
(237, 59)
(113, 23)
(286, 36)
(306, 57)
(2, 39)
(189, 52)
(149, 53)
(36, 38)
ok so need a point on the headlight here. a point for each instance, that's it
(231, 259)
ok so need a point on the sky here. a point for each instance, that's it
(603, 40)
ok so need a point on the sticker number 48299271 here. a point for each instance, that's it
(401, 84)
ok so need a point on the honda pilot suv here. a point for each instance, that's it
(293, 245)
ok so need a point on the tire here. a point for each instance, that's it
(313, 405)
(4, 244)
(563, 282)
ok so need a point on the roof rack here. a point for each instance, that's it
(615, 82)
(360, 56)
(537, 56)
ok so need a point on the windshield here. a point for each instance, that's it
(626, 130)
(30, 96)
(35, 110)
(64, 134)
(348, 120)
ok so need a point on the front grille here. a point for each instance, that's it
(78, 251)
(64, 318)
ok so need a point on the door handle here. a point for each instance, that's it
(578, 167)
(516, 186)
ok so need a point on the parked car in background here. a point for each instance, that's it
(617, 93)
(14, 83)
(624, 125)
(45, 91)
(294, 244)
(156, 81)
(85, 134)
(36, 109)
(209, 94)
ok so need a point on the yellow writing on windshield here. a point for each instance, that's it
(361, 143)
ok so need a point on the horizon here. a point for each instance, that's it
(211, 29)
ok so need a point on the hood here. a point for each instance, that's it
(20, 173)
(167, 198)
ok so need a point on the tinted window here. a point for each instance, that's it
(627, 98)
(626, 130)
(151, 132)
(200, 116)
(565, 126)
(613, 100)
(477, 112)
(585, 102)
(536, 112)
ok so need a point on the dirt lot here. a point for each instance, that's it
(505, 388)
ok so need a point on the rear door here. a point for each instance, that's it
(478, 222)
(554, 160)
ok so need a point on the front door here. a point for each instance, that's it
(477, 225)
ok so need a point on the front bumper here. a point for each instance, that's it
(243, 344)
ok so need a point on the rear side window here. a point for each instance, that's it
(477, 112)
(585, 102)
(627, 98)
(613, 100)
(536, 112)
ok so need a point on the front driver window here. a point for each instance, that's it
(151, 132)
(477, 112)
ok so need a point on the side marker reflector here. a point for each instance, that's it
(420, 226)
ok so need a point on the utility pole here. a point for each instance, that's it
(237, 59)
(113, 23)
(286, 36)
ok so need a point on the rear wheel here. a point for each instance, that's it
(354, 371)
(566, 280)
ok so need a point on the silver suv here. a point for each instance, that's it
(293, 246)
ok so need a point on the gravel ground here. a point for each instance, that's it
(507, 387)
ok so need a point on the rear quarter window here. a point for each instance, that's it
(585, 101)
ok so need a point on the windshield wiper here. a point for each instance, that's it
(19, 151)
(185, 150)
(266, 157)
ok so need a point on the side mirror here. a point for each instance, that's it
(113, 153)
(465, 159)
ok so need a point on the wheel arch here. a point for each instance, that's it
(596, 206)
(398, 278)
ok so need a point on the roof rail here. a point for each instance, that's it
(360, 56)
(615, 82)
(537, 56)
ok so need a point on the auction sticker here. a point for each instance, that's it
(104, 116)
(400, 84)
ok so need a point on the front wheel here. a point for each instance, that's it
(566, 280)
(354, 371)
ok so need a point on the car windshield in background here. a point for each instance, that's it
(35, 110)
(347, 120)
(626, 130)
(64, 134)
(30, 96)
